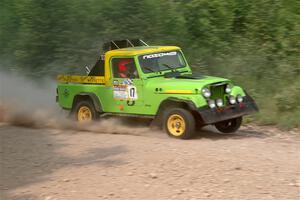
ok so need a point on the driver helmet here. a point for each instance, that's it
(122, 65)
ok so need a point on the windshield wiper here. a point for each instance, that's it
(168, 66)
(149, 69)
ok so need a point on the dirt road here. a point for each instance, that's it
(51, 164)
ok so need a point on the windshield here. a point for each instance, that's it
(161, 61)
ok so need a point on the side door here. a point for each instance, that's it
(127, 86)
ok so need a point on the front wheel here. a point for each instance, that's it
(229, 126)
(179, 123)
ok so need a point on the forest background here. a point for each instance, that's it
(256, 43)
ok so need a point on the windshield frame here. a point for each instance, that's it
(179, 53)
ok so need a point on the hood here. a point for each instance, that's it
(182, 83)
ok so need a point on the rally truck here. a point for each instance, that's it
(133, 79)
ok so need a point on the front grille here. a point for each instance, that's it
(218, 92)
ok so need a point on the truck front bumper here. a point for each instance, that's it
(211, 116)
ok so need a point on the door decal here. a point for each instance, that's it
(125, 91)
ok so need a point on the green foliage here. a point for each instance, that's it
(255, 43)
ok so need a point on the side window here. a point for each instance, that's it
(124, 68)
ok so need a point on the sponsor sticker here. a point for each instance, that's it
(120, 92)
(158, 55)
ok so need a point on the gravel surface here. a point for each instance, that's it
(51, 164)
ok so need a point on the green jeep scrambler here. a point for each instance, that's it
(156, 82)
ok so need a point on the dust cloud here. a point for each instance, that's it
(31, 104)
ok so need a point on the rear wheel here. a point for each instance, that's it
(179, 123)
(85, 111)
(229, 126)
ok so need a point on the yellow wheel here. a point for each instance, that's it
(176, 125)
(85, 111)
(84, 114)
(179, 123)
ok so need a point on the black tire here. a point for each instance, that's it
(229, 126)
(88, 104)
(189, 123)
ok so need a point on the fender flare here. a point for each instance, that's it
(93, 97)
(190, 104)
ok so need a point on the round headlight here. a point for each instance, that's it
(239, 98)
(211, 104)
(228, 89)
(219, 102)
(206, 93)
(232, 100)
